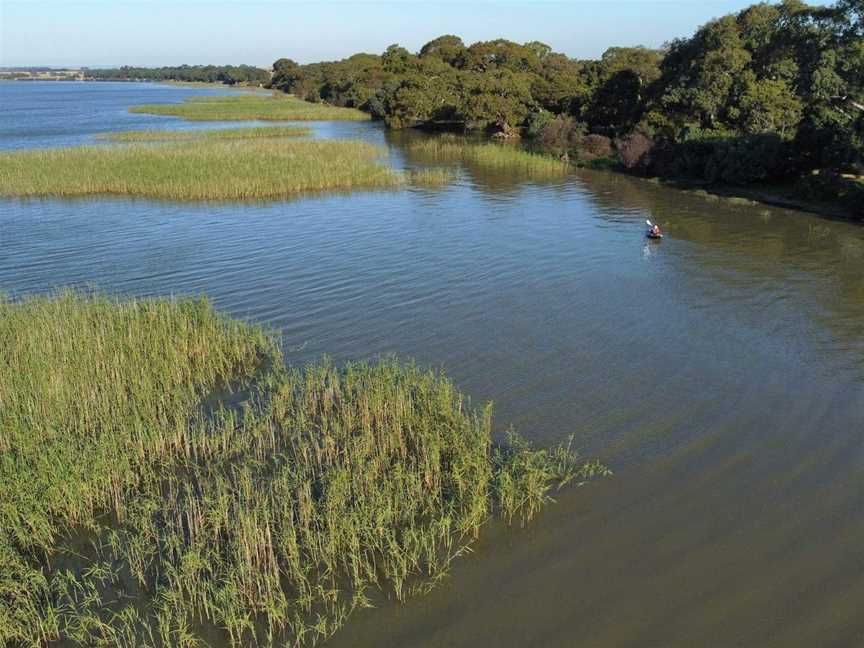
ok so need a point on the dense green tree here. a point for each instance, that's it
(396, 59)
(773, 89)
(427, 93)
(498, 99)
(644, 63)
(562, 85)
(448, 48)
(501, 53)
(286, 74)
(765, 106)
(700, 74)
(621, 79)
(541, 50)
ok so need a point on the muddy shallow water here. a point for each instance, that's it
(719, 372)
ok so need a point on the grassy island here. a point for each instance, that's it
(199, 169)
(251, 107)
(163, 474)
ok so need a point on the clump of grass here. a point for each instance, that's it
(263, 168)
(490, 156)
(206, 134)
(436, 177)
(738, 200)
(705, 195)
(271, 517)
(251, 107)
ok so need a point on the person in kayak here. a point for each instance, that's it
(655, 231)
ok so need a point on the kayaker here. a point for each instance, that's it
(655, 231)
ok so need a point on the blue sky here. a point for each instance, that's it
(163, 32)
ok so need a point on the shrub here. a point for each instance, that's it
(536, 122)
(595, 147)
(562, 134)
(634, 150)
(733, 160)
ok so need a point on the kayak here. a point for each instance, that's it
(651, 235)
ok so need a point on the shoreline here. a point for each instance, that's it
(784, 195)
(772, 195)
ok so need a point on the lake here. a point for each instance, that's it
(719, 372)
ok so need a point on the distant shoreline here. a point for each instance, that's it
(86, 79)
(191, 84)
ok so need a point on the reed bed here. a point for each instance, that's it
(490, 156)
(163, 474)
(252, 107)
(248, 169)
(207, 134)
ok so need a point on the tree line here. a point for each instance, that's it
(771, 91)
(227, 74)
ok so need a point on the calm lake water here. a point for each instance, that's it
(720, 372)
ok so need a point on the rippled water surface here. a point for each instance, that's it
(720, 372)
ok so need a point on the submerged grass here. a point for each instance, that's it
(251, 107)
(207, 134)
(247, 169)
(271, 519)
(431, 178)
(490, 156)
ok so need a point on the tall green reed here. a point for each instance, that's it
(272, 518)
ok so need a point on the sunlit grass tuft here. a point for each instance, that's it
(248, 169)
(207, 134)
(252, 107)
(189, 466)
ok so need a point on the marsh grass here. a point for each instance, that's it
(490, 156)
(430, 178)
(705, 195)
(739, 201)
(272, 518)
(251, 107)
(199, 169)
(207, 134)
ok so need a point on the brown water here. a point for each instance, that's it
(720, 373)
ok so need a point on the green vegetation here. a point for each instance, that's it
(163, 475)
(437, 177)
(249, 169)
(218, 85)
(251, 107)
(770, 93)
(490, 156)
(223, 74)
(207, 134)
